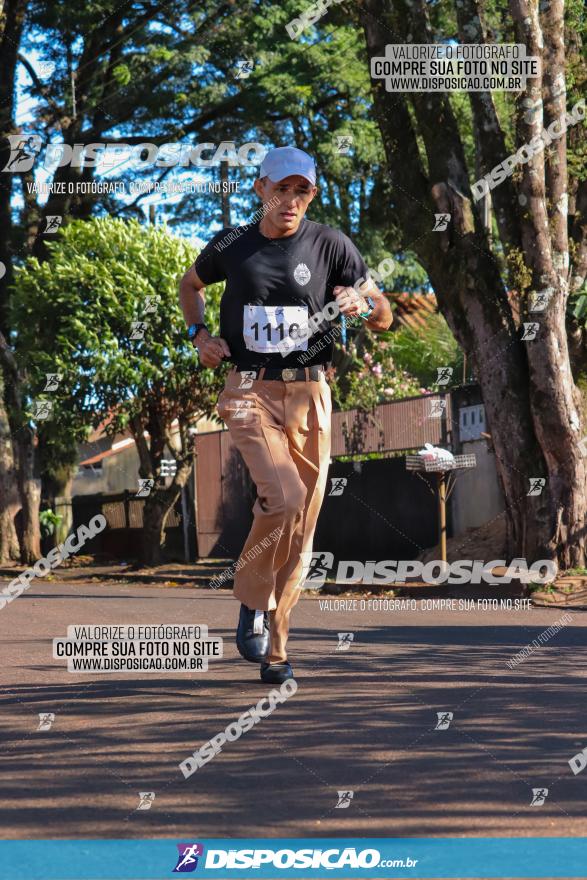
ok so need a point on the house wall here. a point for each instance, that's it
(476, 497)
(118, 472)
(386, 509)
(383, 512)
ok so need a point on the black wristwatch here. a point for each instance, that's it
(194, 329)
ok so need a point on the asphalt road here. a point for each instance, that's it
(362, 720)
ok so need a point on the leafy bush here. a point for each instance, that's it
(375, 368)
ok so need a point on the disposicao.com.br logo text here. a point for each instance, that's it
(329, 859)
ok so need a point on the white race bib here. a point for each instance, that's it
(266, 326)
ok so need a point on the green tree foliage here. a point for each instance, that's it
(420, 352)
(396, 364)
(76, 313)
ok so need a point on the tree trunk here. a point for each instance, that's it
(30, 494)
(531, 401)
(157, 508)
(23, 445)
(64, 509)
(9, 503)
(11, 25)
(160, 501)
(469, 291)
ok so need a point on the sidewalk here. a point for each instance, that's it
(175, 574)
(199, 575)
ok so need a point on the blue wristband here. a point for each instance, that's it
(371, 305)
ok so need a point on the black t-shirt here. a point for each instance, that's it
(273, 285)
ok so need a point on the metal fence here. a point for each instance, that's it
(393, 427)
(124, 515)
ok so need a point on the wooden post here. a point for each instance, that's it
(442, 508)
(185, 522)
(126, 507)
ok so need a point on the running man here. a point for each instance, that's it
(279, 273)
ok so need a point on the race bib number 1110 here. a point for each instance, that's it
(266, 326)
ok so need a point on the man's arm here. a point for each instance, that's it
(212, 349)
(352, 302)
(381, 318)
(191, 297)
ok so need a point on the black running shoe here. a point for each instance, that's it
(252, 634)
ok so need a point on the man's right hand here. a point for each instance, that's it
(212, 349)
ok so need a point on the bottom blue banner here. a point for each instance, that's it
(383, 858)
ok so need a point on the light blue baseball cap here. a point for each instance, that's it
(285, 161)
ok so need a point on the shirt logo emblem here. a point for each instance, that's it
(302, 274)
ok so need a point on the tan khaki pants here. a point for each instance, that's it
(282, 431)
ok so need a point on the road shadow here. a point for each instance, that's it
(364, 720)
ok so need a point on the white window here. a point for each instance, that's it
(471, 422)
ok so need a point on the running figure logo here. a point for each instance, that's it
(138, 329)
(53, 380)
(444, 375)
(244, 68)
(345, 641)
(530, 331)
(444, 719)
(151, 303)
(539, 796)
(344, 800)
(146, 799)
(537, 484)
(441, 222)
(338, 485)
(187, 861)
(315, 568)
(344, 143)
(46, 719)
(42, 409)
(247, 377)
(53, 222)
(436, 408)
(145, 487)
(23, 152)
(540, 299)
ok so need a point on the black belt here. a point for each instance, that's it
(285, 375)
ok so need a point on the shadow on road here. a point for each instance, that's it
(362, 720)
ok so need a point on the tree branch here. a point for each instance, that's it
(490, 140)
(579, 236)
(554, 97)
(138, 431)
(409, 182)
(536, 241)
(42, 89)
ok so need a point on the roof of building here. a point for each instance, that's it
(114, 450)
(413, 309)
